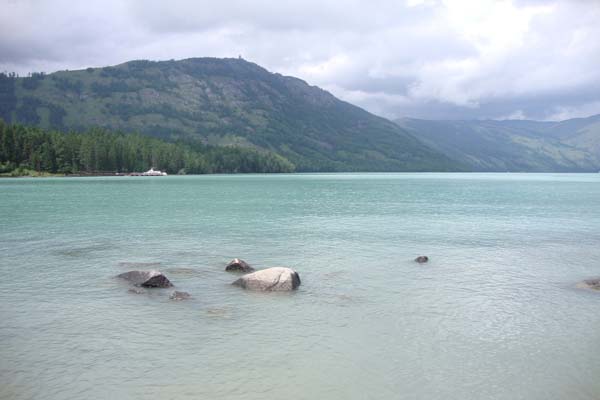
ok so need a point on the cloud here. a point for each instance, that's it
(567, 112)
(422, 58)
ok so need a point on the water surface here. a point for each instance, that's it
(493, 315)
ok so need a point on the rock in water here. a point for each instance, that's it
(593, 284)
(176, 295)
(276, 279)
(237, 265)
(154, 279)
(422, 259)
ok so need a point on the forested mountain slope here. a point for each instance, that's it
(221, 102)
(514, 145)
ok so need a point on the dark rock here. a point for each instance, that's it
(237, 265)
(176, 295)
(593, 283)
(422, 259)
(154, 279)
(270, 280)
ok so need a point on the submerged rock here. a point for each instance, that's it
(593, 283)
(182, 271)
(275, 279)
(153, 278)
(136, 291)
(218, 313)
(237, 265)
(176, 295)
(422, 259)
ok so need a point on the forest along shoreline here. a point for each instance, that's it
(29, 151)
(36, 174)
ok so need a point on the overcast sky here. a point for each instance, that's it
(420, 58)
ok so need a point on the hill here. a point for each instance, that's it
(221, 102)
(513, 145)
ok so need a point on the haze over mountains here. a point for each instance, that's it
(515, 145)
(235, 102)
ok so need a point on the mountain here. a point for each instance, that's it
(221, 102)
(582, 133)
(514, 145)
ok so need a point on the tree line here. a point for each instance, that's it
(24, 148)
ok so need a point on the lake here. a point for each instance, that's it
(494, 314)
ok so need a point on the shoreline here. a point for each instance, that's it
(137, 174)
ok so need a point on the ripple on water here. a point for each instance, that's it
(493, 315)
(140, 265)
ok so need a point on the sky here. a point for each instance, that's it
(434, 59)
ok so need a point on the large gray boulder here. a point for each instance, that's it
(277, 279)
(593, 283)
(153, 279)
(237, 265)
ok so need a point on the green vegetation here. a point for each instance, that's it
(219, 102)
(518, 146)
(26, 151)
(234, 104)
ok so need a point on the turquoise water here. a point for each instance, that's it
(493, 315)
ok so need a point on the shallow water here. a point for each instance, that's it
(493, 315)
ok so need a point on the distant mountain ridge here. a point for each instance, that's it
(221, 102)
(514, 145)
